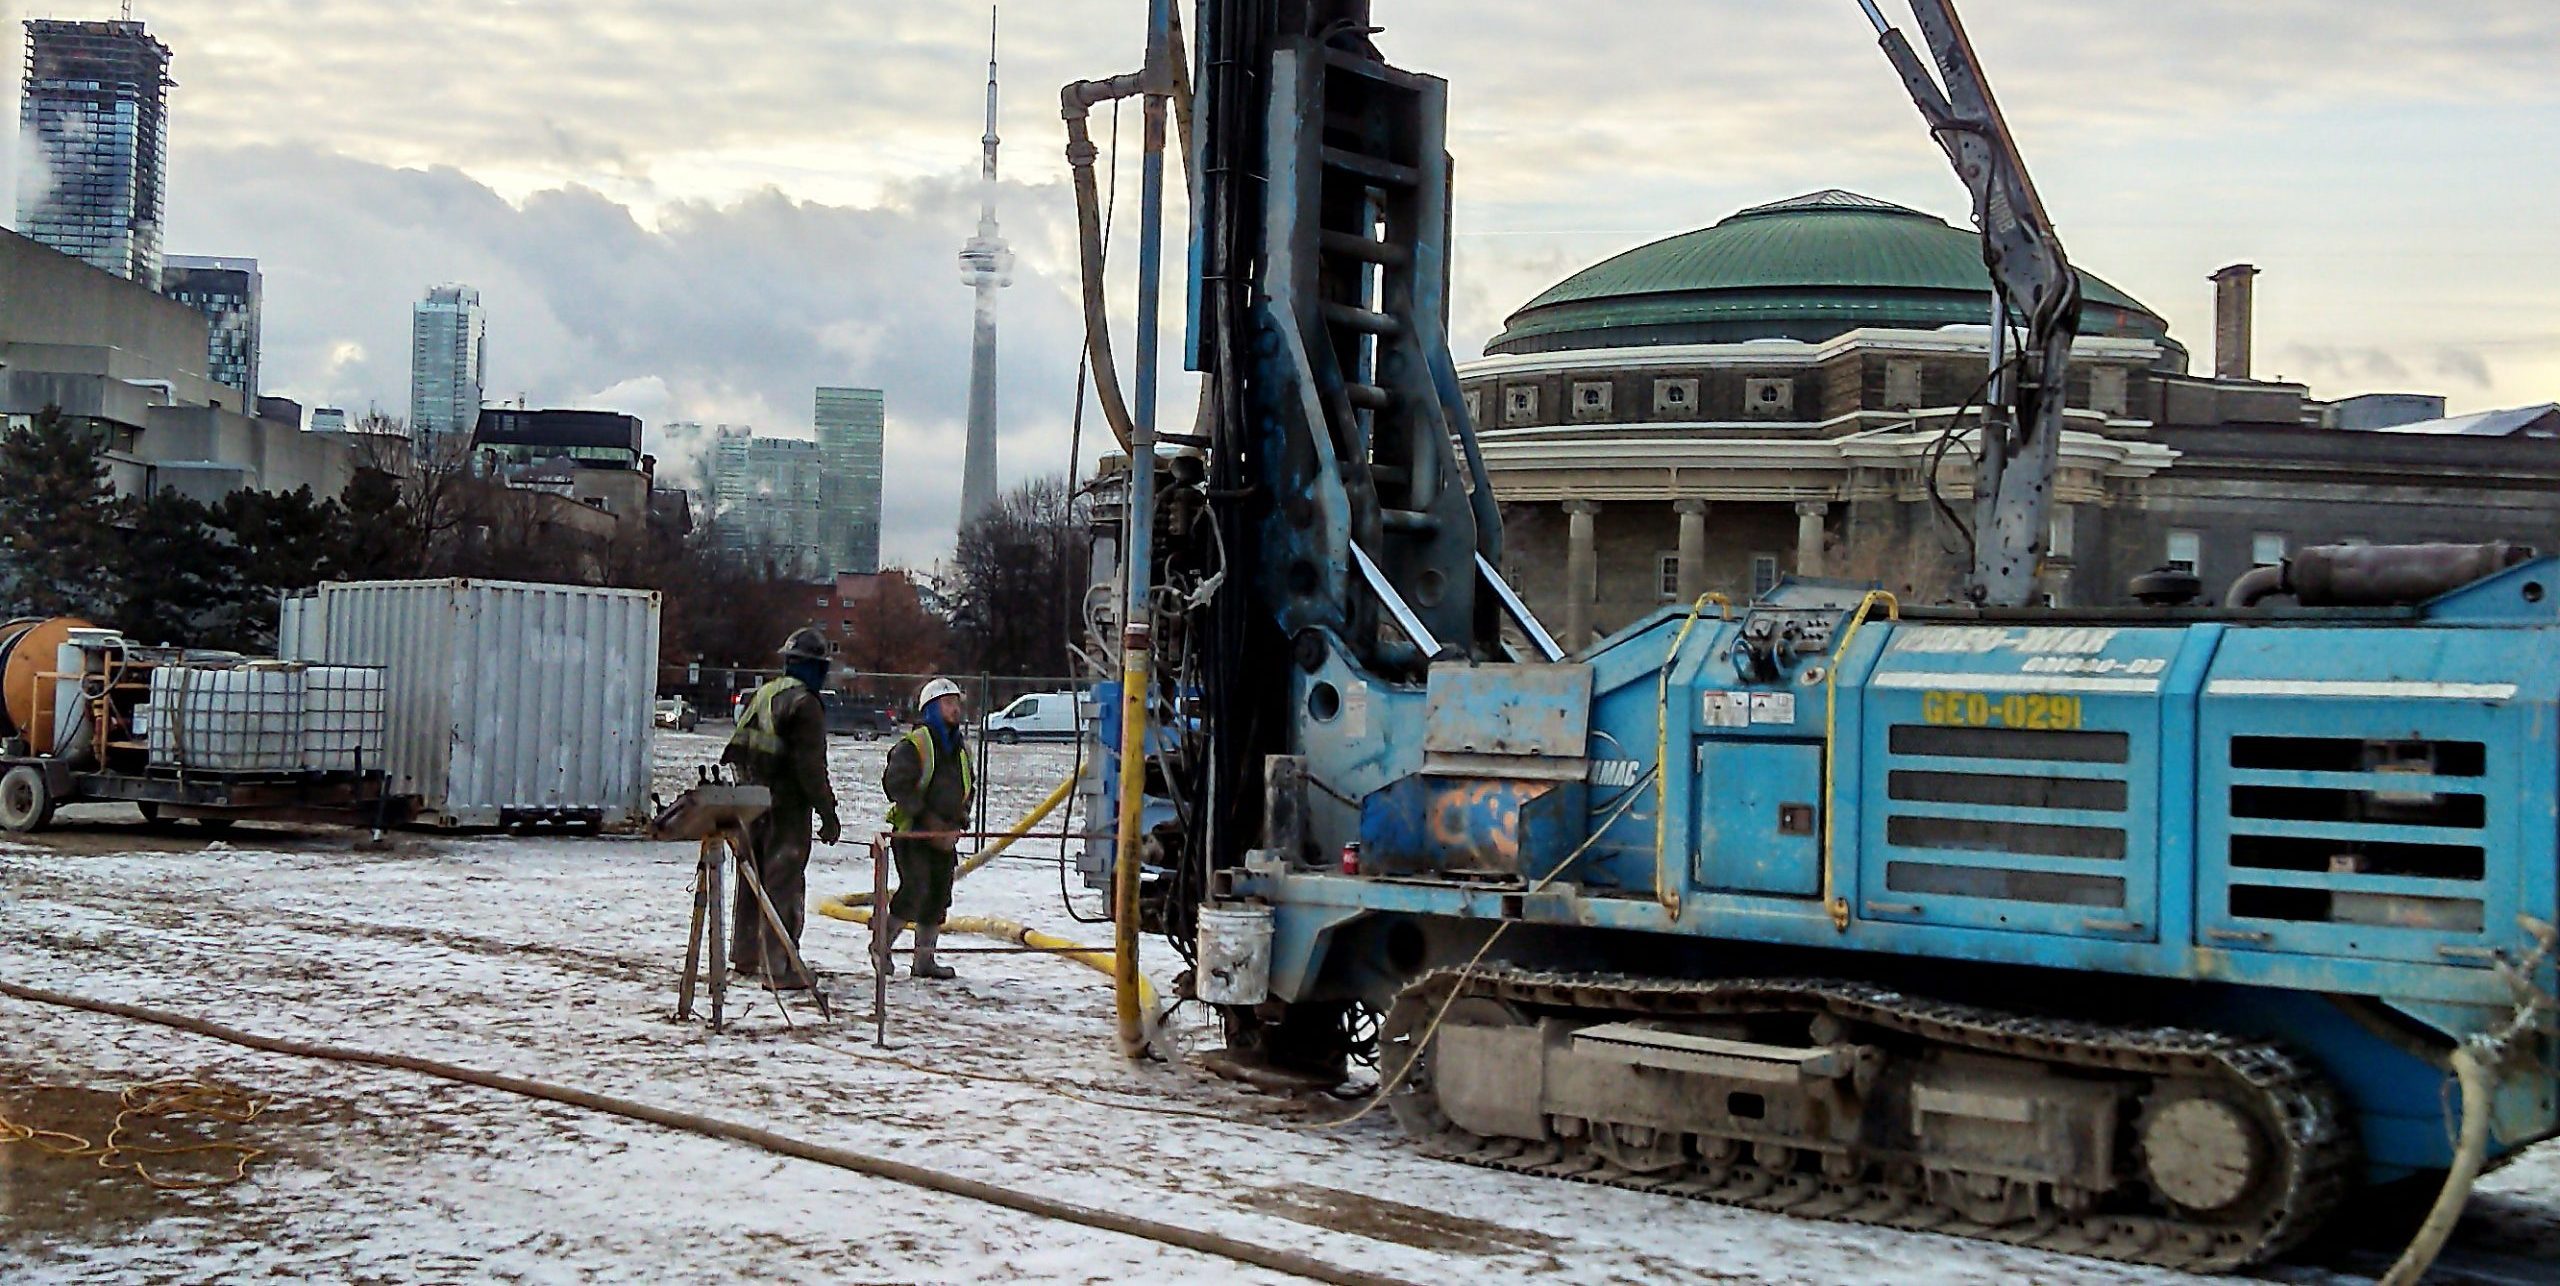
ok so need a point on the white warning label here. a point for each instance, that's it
(1727, 710)
(1773, 707)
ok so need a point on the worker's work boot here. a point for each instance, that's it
(885, 943)
(925, 966)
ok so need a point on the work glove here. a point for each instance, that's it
(829, 829)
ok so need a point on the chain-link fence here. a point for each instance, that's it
(719, 692)
(877, 704)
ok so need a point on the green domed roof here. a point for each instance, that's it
(1807, 268)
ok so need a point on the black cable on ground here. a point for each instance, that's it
(1206, 1243)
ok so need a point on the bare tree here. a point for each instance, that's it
(1016, 579)
(895, 633)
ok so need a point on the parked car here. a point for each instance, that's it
(1039, 716)
(864, 717)
(677, 713)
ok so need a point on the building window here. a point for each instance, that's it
(1591, 400)
(1475, 406)
(1901, 383)
(2186, 549)
(1764, 575)
(1768, 396)
(1667, 576)
(2057, 539)
(2106, 390)
(1520, 404)
(2266, 549)
(1675, 397)
(822, 600)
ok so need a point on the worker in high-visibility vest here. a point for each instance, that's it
(781, 744)
(928, 782)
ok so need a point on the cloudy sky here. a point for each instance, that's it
(699, 212)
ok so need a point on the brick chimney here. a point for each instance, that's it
(2233, 306)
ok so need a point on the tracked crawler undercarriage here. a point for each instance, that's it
(1835, 1100)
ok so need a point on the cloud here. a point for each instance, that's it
(2463, 366)
(30, 179)
(2364, 365)
(723, 312)
(715, 208)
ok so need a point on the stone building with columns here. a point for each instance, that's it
(1792, 392)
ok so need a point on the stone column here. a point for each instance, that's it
(1693, 548)
(1581, 571)
(1809, 516)
(2057, 554)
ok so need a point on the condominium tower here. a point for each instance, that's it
(94, 107)
(768, 501)
(227, 291)
(851, 426)
(447, 367)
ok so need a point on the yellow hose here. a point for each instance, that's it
(992, 851)
(987, 926)
(2472, 1070)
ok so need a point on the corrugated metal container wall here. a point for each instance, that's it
(509, 701)
(292, 616)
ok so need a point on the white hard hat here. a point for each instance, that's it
(936, 690)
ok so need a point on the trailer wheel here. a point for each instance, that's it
(26, 802)
(217, 825)
(152, 817)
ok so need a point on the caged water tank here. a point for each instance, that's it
(344, 717)
(244, 718)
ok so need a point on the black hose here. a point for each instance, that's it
(1207, 1243)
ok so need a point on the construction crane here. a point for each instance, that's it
(2151, 933)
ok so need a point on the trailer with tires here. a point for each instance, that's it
(207, 737)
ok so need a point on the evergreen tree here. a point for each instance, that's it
(59, 544)
(383, 540)
(279, 542)
(180, 585)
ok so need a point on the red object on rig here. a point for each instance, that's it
(1351, 858)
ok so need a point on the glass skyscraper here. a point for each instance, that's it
(768, 501)
(447, 367)
(851, 428)
(227, 292)
(95, 105)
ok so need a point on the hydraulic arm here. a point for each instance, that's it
(2033, 288)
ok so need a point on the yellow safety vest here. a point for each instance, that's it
(922, 738)
(756, 730)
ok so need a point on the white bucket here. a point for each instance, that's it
(1235, 955)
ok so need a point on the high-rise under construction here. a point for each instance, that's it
(95, 105)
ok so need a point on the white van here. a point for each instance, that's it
(1041, 716)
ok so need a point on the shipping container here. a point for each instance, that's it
(510, 703)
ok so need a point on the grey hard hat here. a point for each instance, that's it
(805, 644)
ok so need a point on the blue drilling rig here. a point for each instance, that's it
(2153, 932)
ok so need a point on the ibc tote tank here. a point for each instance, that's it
(508, 702)
(227, 718)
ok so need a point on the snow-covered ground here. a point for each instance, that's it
(557, 959)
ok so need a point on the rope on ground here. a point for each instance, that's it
(154, 1100)
(1207, 1243)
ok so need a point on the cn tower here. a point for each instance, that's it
(986, 265)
